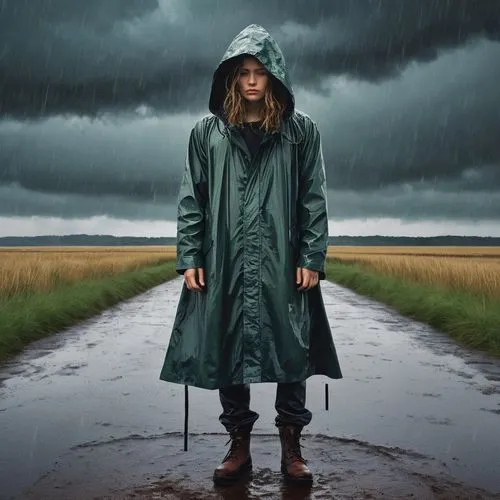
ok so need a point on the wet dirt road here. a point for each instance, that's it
(83, 413)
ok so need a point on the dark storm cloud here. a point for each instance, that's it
(83, 57)
(435, 123)
(426, 201)
(141, 159)
(381, 37)
(111, 173)
(17, 201)
(405, 202)
(438, 124)
(420, 145)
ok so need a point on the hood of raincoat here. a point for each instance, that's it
(253, 40)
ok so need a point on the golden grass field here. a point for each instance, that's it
(476, 269)
(33, 269)
(29, 269)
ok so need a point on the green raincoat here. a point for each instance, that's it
(249, 223)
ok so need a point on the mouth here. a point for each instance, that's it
(252, 91)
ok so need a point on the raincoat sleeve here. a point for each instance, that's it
(312, 211)
(190, 205)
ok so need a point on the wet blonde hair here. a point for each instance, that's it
(234, 102)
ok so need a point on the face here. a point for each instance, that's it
(252, 79)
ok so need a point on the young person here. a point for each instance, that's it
(252, 237)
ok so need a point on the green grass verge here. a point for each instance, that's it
(27, 318)
(472, 320)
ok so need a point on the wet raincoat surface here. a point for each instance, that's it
(249, 222)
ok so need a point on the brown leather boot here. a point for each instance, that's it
(293, 466)
(237, 461)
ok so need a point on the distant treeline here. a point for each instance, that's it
(109, 240)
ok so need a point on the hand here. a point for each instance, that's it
(306, 278)
(193, 282)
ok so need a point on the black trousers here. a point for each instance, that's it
(289, 405)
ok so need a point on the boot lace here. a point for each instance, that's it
(293, 449)
(235, 440)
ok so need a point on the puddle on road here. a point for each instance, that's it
(405, 387)
(156, 467)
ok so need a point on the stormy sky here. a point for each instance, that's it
(97, 99)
